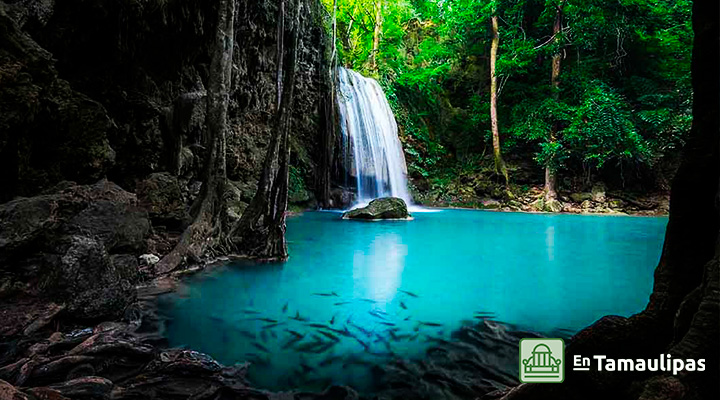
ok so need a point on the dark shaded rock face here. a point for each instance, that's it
(117, 89)
(160, 194)
(382, 208)
(75, 244)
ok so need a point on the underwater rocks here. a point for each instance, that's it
(76, 245)
(378, 209)
(120, 360)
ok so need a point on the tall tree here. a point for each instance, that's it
(377, 31)
(500, 166)
(206, 226)
(551, 169)
(261, 229)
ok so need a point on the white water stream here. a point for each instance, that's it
(372, 153)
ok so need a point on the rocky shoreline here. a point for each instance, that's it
(597, 201)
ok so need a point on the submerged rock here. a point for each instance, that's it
(382, 208)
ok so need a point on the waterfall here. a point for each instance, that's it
(372, 155)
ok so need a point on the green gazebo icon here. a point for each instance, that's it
(541, 363)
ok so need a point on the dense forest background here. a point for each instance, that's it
(588, 91)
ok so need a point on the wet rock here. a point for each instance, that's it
(331, 393)
(341, 198)
(45, 393)
(76, 243)
(9, 392)
(490, 204)
(149, 259)
(85, 387)
(44, 319)
(237, 197)
(580, 197)
(552, 205)
(598, 192)
(382, 208)
(161, 196)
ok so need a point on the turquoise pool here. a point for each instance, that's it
(355, 294)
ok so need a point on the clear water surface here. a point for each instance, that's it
(354, 294)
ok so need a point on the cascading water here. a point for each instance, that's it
(372, 154)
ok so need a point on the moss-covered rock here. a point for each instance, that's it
(382, 208)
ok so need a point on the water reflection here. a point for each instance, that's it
(550, 242)
(379, 268)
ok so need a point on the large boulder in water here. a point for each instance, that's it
(382, 208)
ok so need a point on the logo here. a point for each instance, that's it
(542, 360)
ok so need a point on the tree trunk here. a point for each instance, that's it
(500, 167)
(550, 169)
(329, 122)
(206, 228)
(261, 230)
(376, 35)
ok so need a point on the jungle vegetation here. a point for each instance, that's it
(578, 89)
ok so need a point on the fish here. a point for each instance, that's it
(369, 301)
(375, 314)
(363, 344)
(332, 320)
(327, 346)
(484, 317)
(436, 340)
(386, 323)
(295, 333)
(329, 360)
(344, 332)
(269, 320)
(386, 354)
(308, 347)
(272, 325)
(273, 334)
(330, 336)
(318, 326)
(246, 334)
(411, 294)
(256, 359)
(331, 294)
(285, 308)
(249, 311)
(291, 342)
(361, 329)
(407, 318)
(340, 303)
(430, 323)
(403, 306)
(297, 317)
(484, 313)
(260, 347)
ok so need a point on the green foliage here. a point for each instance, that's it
(624, 88)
